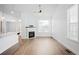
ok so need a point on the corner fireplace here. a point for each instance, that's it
(31, 34)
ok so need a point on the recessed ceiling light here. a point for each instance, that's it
(19, 20)
(12, 12)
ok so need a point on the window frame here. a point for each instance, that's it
(69, 23)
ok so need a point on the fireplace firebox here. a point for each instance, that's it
(31, 34)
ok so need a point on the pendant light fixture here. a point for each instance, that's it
(40, 10)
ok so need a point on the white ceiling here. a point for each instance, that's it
(48, 9)
(28, 7)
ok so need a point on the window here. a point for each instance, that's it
(72, 23)
(43, 26)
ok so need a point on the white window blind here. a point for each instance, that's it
(72, 23)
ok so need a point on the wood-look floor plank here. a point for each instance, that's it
(38, 46)
(41, 46)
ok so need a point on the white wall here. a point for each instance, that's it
(59, 29)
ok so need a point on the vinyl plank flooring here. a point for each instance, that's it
(38, 46)
(42, 46)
